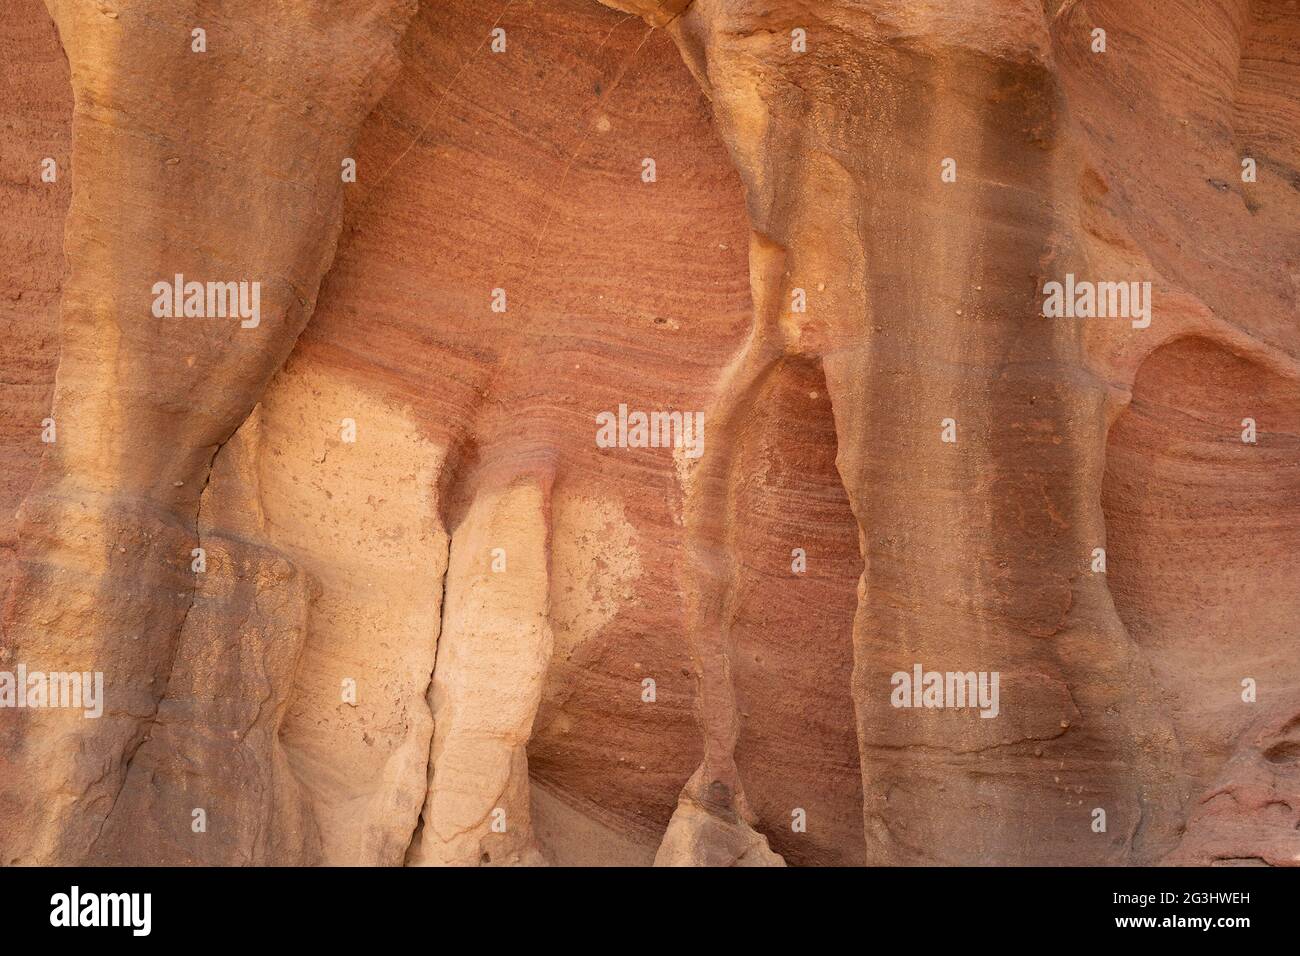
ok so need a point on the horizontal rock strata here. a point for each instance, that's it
(612, 434)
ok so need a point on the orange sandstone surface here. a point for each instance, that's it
(701, 432)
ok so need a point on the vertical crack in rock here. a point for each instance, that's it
(220, 715)
(418, 830)
(491, 665)
(146, 730)
(352, 493)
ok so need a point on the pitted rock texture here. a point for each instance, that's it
(365, 585)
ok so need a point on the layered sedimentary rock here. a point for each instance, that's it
(368, 586)
(232, 174)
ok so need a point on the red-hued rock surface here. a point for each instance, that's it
(364, 582)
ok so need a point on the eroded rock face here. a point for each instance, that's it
(367, 582)
(239, 184)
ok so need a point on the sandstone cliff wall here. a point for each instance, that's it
(365, 587)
